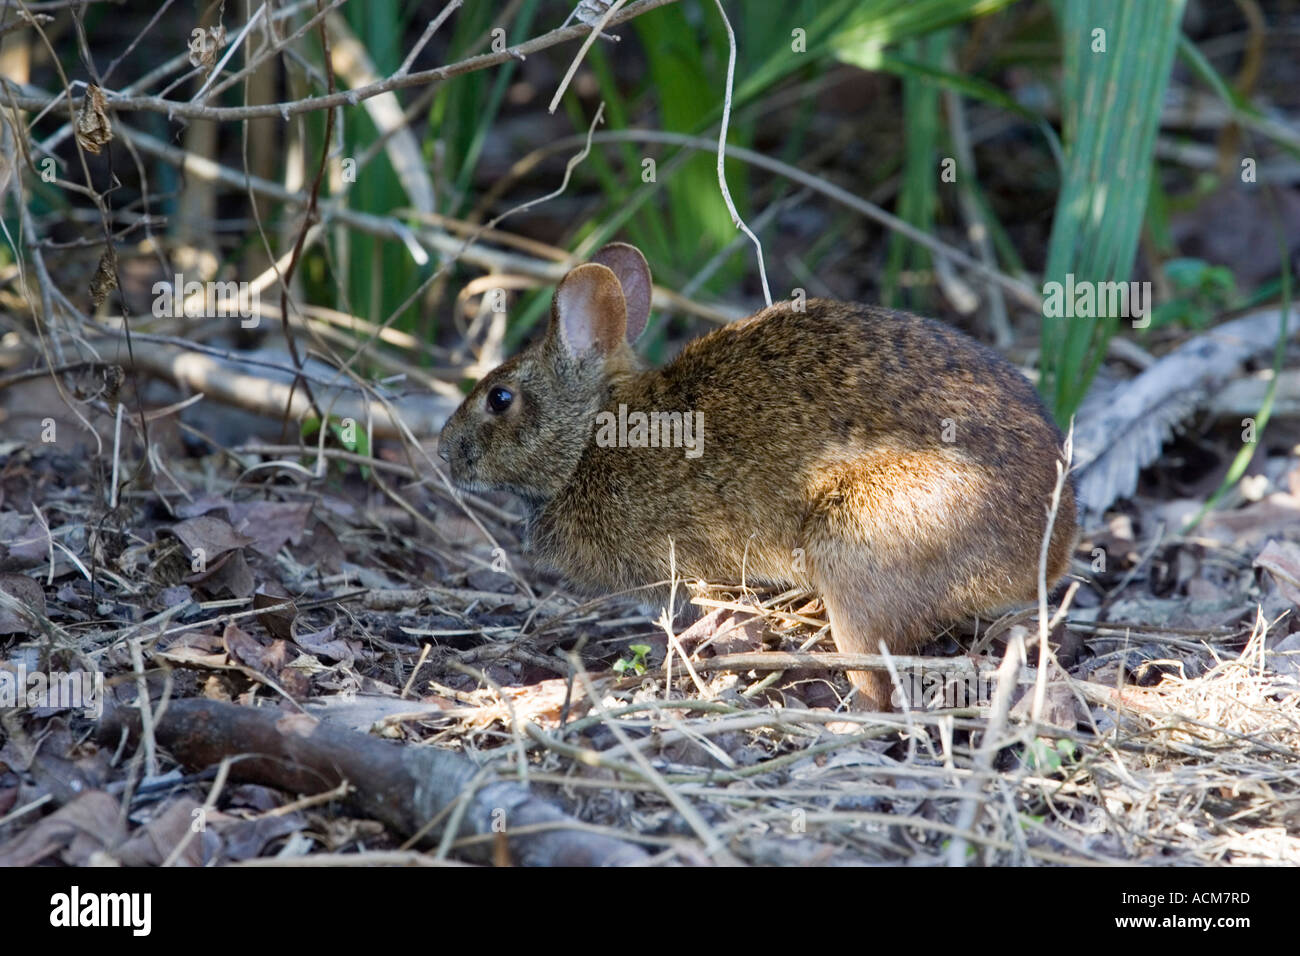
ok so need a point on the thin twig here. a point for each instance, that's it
(1023, 292)
(175, 109)
(582, 51)
(722, 150)
(1044, 625)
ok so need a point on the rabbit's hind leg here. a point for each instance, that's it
(886, 543)
(868, 615)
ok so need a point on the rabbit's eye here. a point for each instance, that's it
(499, 399)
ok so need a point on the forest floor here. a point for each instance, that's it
(1169, 728)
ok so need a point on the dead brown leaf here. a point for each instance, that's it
(27, 593)
(209, 537)
(270, 525)
(23, 541)
(104, 280)
(1282, 560)
(230, 572)
(88, 824)
(93, 128)
(323, 643)
(278, 623)
(152, 843)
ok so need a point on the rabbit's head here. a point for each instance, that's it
(524, 426)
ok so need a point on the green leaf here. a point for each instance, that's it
(918, 197)
(1117, 59)
(1042, 757)
(876, 24)
(636, 664)
(973, 88)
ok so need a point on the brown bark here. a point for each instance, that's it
(404, 787)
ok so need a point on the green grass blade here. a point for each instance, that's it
(918, 197)
(1112, 103)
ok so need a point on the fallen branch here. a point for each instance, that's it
(403, 787)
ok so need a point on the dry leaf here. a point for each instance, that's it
(323, 643)
(1282, 560)
(105, 278)
(93, 129)
(205, 45)
(270, 524)
(1060, 706)
(229, 572)
(27, 593)
(278, 623)
(152, 843)
(210, 535)
(90, 823)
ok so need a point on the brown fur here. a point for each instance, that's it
(823, 463)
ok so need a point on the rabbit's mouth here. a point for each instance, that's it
(464, 478)
(458, 468)
(461, 460)
(470, 485)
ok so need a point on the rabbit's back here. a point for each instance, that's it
(897, 426)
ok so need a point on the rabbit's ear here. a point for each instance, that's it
(627, 263)
(590, 312)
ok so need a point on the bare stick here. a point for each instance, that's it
(117, 455)
(1022, 291)
(1062, 471)
(582, 51)
(983, 757)
(722, 152)
(146, 712)
(176, 109)
(713, 846)
(558, 190)
(230, 51)
(426, 36)
(209, 804)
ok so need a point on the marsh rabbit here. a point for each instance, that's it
(894, 465)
